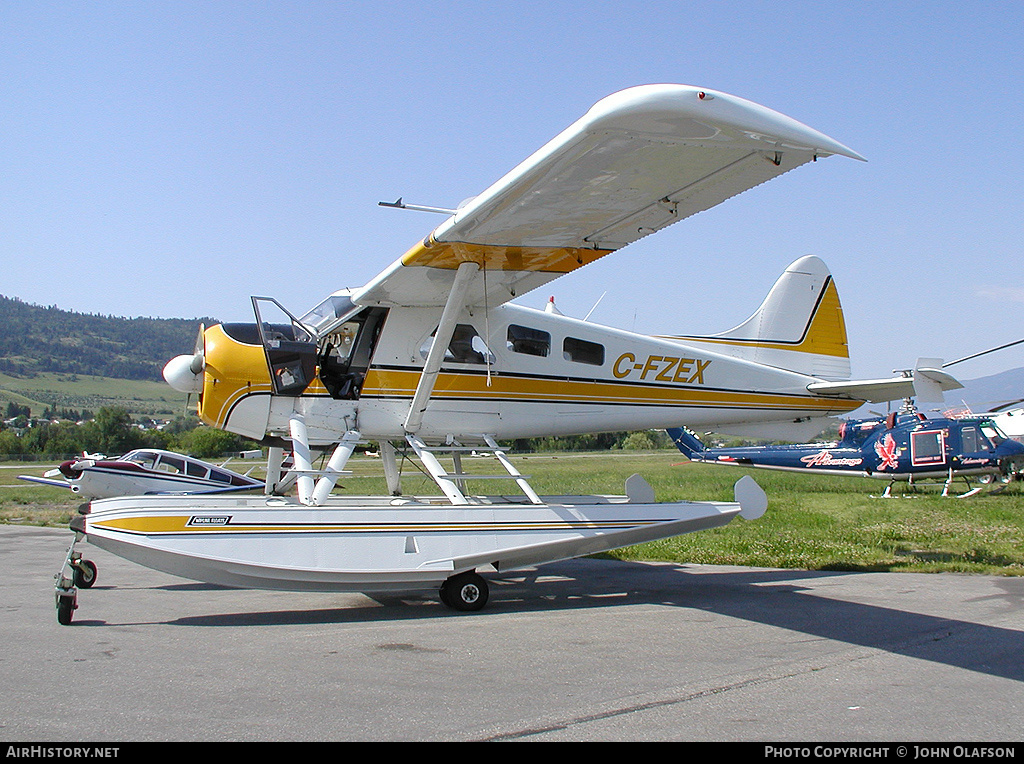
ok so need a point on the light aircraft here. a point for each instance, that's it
(143, 471)
(431, 358)
(902, 446)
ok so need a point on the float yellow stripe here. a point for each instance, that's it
(162, 525)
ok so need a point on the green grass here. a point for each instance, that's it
(80, 392)
(812, 522)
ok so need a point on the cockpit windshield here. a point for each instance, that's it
(330, 313)
(991, 429)
(146, 459)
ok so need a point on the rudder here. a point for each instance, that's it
(799, 326)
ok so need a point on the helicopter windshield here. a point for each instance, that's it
(992, 431)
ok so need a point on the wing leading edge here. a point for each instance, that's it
(638, 161)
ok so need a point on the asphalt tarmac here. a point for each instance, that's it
(586, 650)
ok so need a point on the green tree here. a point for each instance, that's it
(207, 442)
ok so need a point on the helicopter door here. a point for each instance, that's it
(927, 447)
(289, 346)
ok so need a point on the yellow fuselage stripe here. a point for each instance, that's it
(397, 383)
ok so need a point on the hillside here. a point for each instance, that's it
(38, 340)
(987, 393)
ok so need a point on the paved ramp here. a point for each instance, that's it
(582, 650)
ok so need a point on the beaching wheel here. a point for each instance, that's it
(466, 591)
(65, 608)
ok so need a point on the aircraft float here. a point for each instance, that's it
(432, 359)
(143, 471)
(902, 446)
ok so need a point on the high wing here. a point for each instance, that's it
(638, 161)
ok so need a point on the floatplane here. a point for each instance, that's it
(433, 360)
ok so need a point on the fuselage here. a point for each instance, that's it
(894, 447)
(149, 471)
(509, 372)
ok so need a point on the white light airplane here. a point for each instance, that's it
(143, 471)
(432, 357)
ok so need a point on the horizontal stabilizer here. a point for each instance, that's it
(928, 383)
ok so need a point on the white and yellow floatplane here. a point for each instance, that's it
(431, 357)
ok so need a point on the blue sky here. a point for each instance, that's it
(173, 158)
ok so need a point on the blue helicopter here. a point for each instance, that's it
(901, 446)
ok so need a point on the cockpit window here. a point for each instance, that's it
(340, 342)
(857, 433)
(325, 316)
(993, 433)
(145, 459)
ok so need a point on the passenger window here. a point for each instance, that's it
(523, 339)
(196, 470)
(969, 436)
(171, 464)
(582, 351)
(466, 346)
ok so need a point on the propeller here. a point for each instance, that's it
(185, 372)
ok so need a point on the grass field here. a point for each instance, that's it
(813, 522)
(80, 392)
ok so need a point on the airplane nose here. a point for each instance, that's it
(185, 373)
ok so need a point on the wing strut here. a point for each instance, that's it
(455, 303)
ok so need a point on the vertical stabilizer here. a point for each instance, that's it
(686, 441)
(798, 327)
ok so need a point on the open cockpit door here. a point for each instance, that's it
(346, 336)
(290, 346)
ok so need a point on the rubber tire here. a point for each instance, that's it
(65, 610)
(466, 592)
(85, 574)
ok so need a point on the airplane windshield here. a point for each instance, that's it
(144, 458)
(329, 314)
